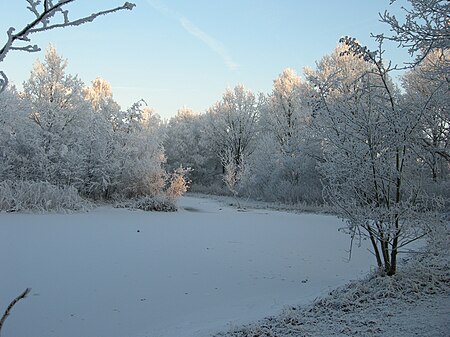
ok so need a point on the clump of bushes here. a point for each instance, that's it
(42, 196)
(177, 184)
(149, 203)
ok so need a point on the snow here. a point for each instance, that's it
(413, 302)
(207, 268)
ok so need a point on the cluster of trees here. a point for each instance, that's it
(289, 144)
(274, 147)
(60, 137)
(257, 146)
(58, 130)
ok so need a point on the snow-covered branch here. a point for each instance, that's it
(426, 27)
(3, 81)
(43, 22)
(67, 22)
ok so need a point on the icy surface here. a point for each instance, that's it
(209, 267)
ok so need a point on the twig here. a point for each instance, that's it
(11, 305)
(3, 81)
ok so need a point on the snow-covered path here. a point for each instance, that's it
(120, 273)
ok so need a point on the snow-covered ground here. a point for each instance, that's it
(207, 268)
(414, 302)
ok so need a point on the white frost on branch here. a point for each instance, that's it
(43, 22)
(424, 28)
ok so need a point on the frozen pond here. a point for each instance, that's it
(121, 273)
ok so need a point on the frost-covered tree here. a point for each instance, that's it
(55, 95)
(182, 138)
(373, 177)
(96, 171)
(427, 91)
(46, 14)
(60, 112)
(281, 167)
(185, 145)
(100, 95)
(233, 126)
(139, 153)
(19, 145)
(283, 114)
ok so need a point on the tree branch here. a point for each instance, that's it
(11, 305)
(43, 18)
(81, 21)
(3, 81)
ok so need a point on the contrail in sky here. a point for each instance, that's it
(213, 44)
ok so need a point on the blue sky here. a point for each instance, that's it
(174, 53)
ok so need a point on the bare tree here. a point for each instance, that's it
(46, 13)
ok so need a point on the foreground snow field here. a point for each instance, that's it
(209, 267)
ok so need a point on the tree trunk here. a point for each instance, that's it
(393, 264)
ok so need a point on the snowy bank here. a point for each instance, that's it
(414, 302)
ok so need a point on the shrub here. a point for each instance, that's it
(39, 196)
(179, 183)
(149, 203)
